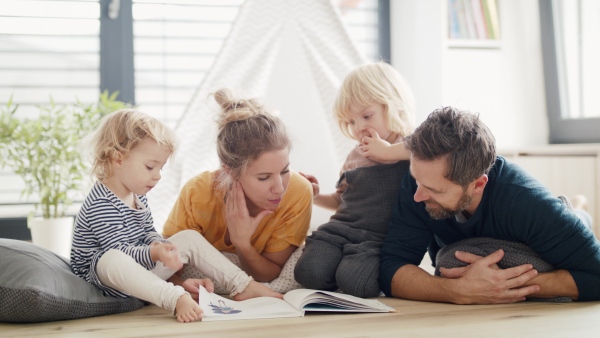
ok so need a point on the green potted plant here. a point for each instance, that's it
(45, 152)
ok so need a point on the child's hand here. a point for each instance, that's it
(240, 224)
(192, 285)
(314, 182)
(167, 254)
(375, 148)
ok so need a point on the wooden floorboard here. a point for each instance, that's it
(413, 319)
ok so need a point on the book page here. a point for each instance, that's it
(315, 300)
(216, 307)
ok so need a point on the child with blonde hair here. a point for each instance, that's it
(375, 107)
(115, 246)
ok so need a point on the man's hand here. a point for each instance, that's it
(482, 282)
(192, 285)
(465, 257)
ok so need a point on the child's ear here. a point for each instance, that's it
(117, 159)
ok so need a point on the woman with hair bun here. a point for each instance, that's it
(253, 209)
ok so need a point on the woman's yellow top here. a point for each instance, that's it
(201, 207)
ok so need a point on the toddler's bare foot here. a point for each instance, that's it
(579, 202)
(256, 289)
(187, 310)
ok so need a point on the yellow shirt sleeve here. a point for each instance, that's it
(195, 206)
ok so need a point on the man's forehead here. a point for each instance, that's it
(438, 165)
(431, 173)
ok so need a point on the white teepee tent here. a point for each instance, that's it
(291, 54)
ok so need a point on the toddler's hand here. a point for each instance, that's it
(314, 182)
(167, 254)
(375, 148)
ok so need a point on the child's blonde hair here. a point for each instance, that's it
(119, 133)
(377, 82)
(246, 130)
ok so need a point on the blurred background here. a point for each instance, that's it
(528, 67)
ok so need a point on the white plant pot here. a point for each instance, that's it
(54, 234)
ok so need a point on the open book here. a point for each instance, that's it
(294, 304)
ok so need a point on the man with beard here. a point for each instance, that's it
(458, 189)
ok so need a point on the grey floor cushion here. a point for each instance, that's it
(38, 286)
(515, 254)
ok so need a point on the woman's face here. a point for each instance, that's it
(266, 180)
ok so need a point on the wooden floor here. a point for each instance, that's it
(414, 319)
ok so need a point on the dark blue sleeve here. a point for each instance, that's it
(407, 238)
(559, 236)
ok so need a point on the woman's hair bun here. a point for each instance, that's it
(233, 108)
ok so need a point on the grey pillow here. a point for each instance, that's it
(37, 285)
(515, 254)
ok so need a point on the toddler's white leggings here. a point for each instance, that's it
(121, 272)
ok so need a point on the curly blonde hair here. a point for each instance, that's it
(376, 82)
(119, 133)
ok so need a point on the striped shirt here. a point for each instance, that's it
(105, 222)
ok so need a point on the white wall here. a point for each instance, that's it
(504, 84)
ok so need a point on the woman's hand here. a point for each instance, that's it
(192, 285)
(240, 224)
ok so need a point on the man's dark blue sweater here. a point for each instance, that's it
(514, 207)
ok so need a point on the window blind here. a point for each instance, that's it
(48, 49)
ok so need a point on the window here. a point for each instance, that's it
(571, 47)
(49, 49)
(70, 49)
